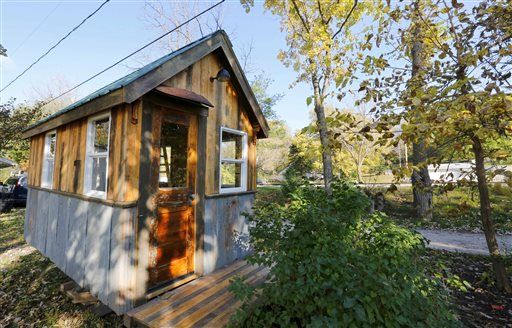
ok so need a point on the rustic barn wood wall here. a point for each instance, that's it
(229, 111)
(226, 231)
(36, 160)
(123, 171)
(91, 242)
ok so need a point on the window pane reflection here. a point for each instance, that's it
(173, 155)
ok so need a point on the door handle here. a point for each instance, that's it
(191, 197)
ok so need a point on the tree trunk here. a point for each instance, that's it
(487, 222)
(324, 137)
(421, 183)
(360, 173)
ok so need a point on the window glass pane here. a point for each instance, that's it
(101, 135)
(99, 173)
(48, 172)
(52, 145)
(231, 175)
(173, 155)
(231, 145)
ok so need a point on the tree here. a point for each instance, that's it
(260, 84)
(419, 55)
(467, 101)
(164, 16)
(272, 152)
(13, 120)
(353, 138)
(463, 102)
(320, 44)
(473, 104)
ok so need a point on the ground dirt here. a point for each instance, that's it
(469, 278)
(29, 288)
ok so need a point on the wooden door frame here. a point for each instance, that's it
(146, 211)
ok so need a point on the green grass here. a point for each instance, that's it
(29, 288)
(457, 209)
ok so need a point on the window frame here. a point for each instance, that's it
(90, 154)
(242, 161)
(45, 166)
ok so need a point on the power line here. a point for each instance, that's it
(36, 28)
(133, 53)
(55, 45)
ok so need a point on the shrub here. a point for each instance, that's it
(330, 265)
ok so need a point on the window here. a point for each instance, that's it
(96, 156)
(48, 160)
(233, 160)
(173, 155)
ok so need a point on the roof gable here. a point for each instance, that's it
(134, 85)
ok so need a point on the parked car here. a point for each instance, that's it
(13, 193)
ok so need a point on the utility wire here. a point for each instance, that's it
(133, 53)
(55, 45)
(36, 28)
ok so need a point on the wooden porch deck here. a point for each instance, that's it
(204, 302)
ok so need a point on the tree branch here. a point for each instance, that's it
(346, 19)
(300, 16)
(320, 11)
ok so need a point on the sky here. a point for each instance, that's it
(29, 28)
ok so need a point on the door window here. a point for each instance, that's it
(173, 155)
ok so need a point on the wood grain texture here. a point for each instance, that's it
(204, 302)
(91, 242)
(173, 232)
(124, 154)
(229, 111)
(226, 230)
(36, 160)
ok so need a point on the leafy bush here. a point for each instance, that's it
(330, 265)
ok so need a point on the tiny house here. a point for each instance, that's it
(141, 185)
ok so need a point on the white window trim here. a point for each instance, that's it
(243, 161)
(46, 151)
(89, 152)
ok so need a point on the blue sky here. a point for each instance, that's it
(117, 30)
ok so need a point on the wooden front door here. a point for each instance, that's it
(173, 235)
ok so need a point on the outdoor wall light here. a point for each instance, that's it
(222, 76)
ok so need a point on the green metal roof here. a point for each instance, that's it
(125, 80)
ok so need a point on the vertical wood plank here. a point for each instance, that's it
(28, 229)
(51, 231)
(41, 215)
(62, 232)
(133, 151)
(121, 267)
(98, 249)
(77, 231)
(145, 209)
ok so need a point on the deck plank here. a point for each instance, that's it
(204, 302)
(181, 293)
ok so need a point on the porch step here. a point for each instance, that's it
(204, 302)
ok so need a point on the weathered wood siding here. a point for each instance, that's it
(91, 242)
(68, 171)
(125, 139)
(229, 111)
(36, 160)
(226, 231)
(123, 171)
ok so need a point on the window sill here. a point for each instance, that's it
(96, 194)
(121, 204)
(231, 194)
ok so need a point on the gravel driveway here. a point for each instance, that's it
(465, 242)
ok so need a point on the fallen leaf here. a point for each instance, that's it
(497, 307)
